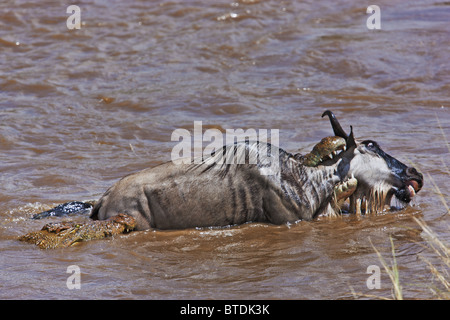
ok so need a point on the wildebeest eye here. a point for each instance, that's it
(371, 145)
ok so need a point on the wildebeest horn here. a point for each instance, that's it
(338, 131)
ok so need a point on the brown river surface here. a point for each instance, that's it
(81, 108)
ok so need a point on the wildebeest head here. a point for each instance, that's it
(379, 175)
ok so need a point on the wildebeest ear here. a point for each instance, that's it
(351, 139)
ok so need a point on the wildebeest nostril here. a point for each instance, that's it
(412, 172)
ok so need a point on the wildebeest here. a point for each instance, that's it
(217, 193)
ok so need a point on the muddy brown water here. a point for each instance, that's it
(79, 109)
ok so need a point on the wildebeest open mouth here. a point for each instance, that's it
(379, 176)
(409, 189)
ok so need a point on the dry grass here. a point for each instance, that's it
(433, 244)
(391, 271)
(440, 249)
(442, 252)
(437, 246)
(393, 274)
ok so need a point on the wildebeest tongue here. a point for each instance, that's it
(414, 185)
